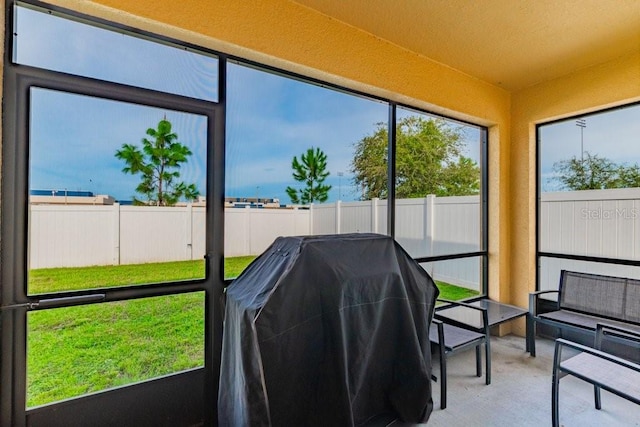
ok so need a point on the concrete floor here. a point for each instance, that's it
(520, 392)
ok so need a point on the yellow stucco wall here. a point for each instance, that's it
(290, 36)
(614, 83)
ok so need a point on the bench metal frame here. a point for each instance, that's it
(586, 370)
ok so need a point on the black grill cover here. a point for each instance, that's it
(327, 331)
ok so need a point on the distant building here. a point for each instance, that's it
(68, 197)
(252, 202)
(71, 197)
(200, 201)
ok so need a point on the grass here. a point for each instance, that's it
(234, 266)
(77, 350)
(455, 293)
(47, 280)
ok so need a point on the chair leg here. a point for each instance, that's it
(597, 398)
(442, 352)
(526, 334)
(531, 336)
(443, 378)
(555, 388)
(555, 385)
(487, 348)
(478, 361)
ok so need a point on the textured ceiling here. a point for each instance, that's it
(510, 43)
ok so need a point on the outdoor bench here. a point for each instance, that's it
(599, 368)
(584, 300)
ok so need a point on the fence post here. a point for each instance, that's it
(189, 230)
(116, 233)
(374, 215)
(429, 226)
(338, 216)
(246, 220)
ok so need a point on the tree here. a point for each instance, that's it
(429, 160)
(595, 173)
(310, 170)
(158, 163)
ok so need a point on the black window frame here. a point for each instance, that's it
(15, 302)
(484, 199)
(558, 255)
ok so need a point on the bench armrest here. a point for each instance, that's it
(549, 291)
(533, 300)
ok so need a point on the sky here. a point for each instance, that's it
(74, 139)
(613, 134)
(270, 118)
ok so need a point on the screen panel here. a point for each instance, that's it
(51, 41)
(116, 193)
(77, 350)
(438, 183)
(589, 182)
(457, 279)
(297, 157)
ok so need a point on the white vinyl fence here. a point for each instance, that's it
(602, 223)
(251, 231)
(76, 235)
(424, 227)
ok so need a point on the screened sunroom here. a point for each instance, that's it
(151, 150)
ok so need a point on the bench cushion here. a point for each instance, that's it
(584, 320)
(610, 375)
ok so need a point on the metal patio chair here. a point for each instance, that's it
(451, 339)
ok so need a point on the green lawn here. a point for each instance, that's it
(455, 293)
(74, 278)
(78, 350)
